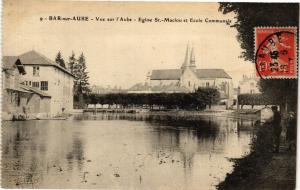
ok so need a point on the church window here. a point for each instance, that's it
(189, 83)
(207, 84)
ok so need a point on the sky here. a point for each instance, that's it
(122, 53)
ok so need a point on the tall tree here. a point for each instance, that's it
(81, 76)
(250, 15)
(59, 60)
(72, 62)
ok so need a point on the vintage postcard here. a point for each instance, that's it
(149, 95)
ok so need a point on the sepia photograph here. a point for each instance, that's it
(149, 95)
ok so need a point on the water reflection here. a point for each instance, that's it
(122, 151)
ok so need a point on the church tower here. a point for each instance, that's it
(186, 62)
(192, 64)
(189, 60)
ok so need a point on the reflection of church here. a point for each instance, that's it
(188, 78)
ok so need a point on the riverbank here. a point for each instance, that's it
(252, 114)
(188, 114)
(27, 117)
(262, 168)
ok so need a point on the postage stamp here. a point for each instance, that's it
(275, 52)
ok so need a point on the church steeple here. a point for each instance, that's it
(192, 60)
(187, 58)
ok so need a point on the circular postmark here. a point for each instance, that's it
(275, 55)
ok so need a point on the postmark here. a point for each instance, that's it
(276, 52)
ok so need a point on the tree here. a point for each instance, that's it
(250, 15)
(283, 92)
(72, 62)
(59, 60)
(81, 76)
(208, 96)
(193, 101)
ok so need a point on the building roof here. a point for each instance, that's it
(8, 62)
(140, 87)
(212, 73)
(35, 90)
(11, 62)
(174, 74)
(166, 74)
(19, 89)
(35, 58)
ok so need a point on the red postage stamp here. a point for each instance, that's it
(276, 52)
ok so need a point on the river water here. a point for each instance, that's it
(112, 151)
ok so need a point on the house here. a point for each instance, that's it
(38, 103)
(18, 101)
(249, 85)
(48, 77)
(191, 78)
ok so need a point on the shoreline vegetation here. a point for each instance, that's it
(262, 168)
(185, 114)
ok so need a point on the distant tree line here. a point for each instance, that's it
(77, 66)
(255, 99)
(198, 100)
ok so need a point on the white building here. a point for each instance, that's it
(191, 78)
(249, 85)
(46, 75)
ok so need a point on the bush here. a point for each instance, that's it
(197, 100)
(254, 99)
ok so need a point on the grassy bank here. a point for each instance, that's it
(263, 169)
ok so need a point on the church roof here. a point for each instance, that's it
(35, 58)
(212, 73)
(174, 74)
(166, 74)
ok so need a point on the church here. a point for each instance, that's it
(188, 78)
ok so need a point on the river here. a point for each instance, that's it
(113, 151)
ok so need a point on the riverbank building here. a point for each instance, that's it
(50, 78)
(19, 101)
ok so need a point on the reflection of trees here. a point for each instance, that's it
(23, 151)
(77, 153)
(17, 149)
(188, 147)
(185, 137)
(245, 125)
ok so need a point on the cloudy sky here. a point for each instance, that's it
(121, 53)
